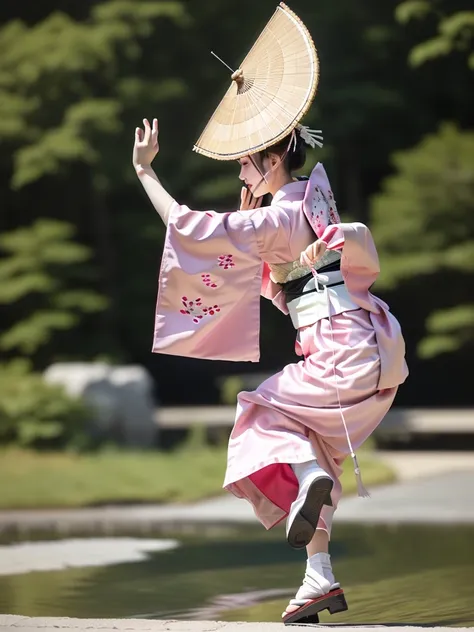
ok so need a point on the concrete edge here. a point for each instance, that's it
(17, 623)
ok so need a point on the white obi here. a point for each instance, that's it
(324, 294)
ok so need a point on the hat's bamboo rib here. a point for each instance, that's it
(277, 103)
(236, 104)
(259, 114)
(282, 89)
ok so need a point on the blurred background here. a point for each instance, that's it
(82, 398)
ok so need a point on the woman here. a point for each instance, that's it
(293, 433)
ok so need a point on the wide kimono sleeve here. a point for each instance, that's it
(360, 269)
(359, 261)
(208, 302)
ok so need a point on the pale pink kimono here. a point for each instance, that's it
(213, 270)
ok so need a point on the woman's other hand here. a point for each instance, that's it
(146, 144)
(313, 253)
(247, 201)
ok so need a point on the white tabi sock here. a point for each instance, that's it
(318, 579)
(307, 472)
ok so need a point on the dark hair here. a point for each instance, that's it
(296, 156)
(294, 159)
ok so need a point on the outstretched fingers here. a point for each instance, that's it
(147, 135)
(154, 133)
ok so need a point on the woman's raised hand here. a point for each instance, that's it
(146, 144)
(312, 253)
(247, 201)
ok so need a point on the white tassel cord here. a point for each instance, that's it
(361, 490)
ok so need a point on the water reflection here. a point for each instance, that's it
(405, 575)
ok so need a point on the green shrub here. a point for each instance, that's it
(423, 224)
(36, 414)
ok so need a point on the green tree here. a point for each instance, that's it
(36, 414)
(454, 29)
(52, 107)
(71, 93)
(40, 282)
(423, 222)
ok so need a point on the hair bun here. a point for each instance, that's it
(297, 153)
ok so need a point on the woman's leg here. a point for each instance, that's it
(319, 543)
(319, 578)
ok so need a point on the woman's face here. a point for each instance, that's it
(252, 177)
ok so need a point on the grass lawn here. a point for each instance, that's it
(37, 480)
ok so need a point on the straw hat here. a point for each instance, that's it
(269, 94)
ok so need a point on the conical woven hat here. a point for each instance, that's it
(270, 93)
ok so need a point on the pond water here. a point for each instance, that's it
(404, 575)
